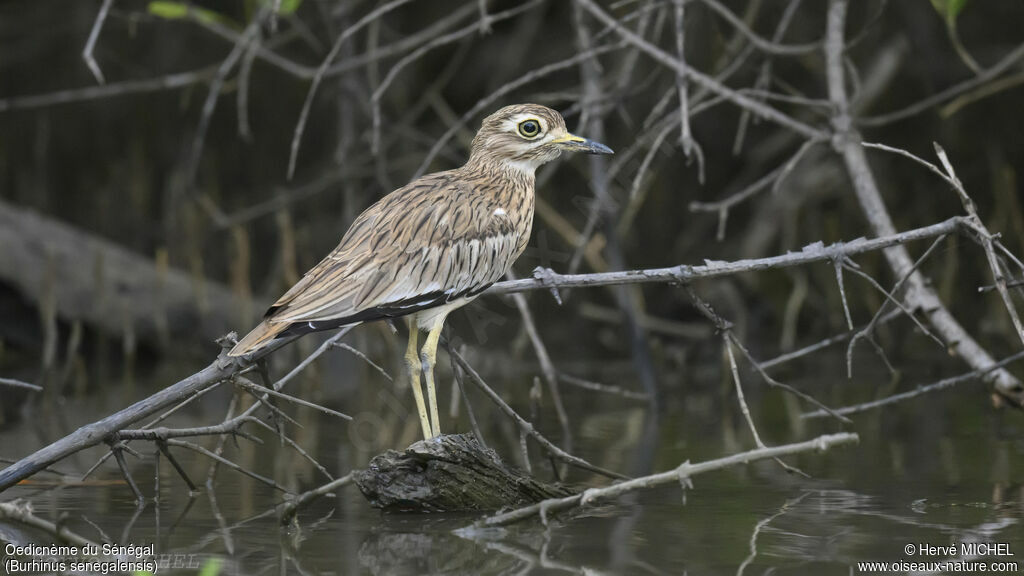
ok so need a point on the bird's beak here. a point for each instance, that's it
(577, 144)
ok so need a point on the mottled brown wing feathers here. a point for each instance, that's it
(437, 239)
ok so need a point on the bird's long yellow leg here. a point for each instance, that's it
(412, 362)
(429, 355)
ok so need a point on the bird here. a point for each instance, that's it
(430, 246)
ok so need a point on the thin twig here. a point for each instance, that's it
(485, 102)
(118, 449)
(298, 449)
(764, 76)
(896, 302)
(868, 331)
(526, 426)
(759, 368)
(229, 464)
(767, 46)
(928, 103)
(667, 59)
(19, 384)
(365, 358)
(604, 388)
(744, 409)
(460, 382)
(921, 390)
(210, 103)
(300, 126)
(252, 387)
(287, 509)
(162, 445)
(90, 44)
(547, 367)
(985, 238)
(89, 93)
(686, 134)
(395, 69)
(974, 223)
(775, 178)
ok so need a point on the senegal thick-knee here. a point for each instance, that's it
(431, 246)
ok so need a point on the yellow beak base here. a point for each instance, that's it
(575, 143)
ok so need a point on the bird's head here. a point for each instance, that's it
(525, 136)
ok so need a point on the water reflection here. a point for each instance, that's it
(914, 478)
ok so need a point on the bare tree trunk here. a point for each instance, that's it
(847, 141)
(108, 287)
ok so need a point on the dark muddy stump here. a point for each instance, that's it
(448, 474)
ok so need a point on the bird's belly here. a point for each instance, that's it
(431, 318)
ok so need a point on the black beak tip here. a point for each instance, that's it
(598, 148)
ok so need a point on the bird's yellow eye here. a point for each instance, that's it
(529, 128)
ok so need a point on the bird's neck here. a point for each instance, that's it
(513, 173)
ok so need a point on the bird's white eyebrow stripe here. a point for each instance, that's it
(513, 122)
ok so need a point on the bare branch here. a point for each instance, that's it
(684, 471)
(19, 384)
(90, 44)
(768, 46)
(981, 79)
(287, 509)
(973, 224)
(225, 68)
(229, 464)
(921, 390)
(816, 252)
(87, 94)
(775, 178)
(526, 426)
(547, 368)
(300, 127)
(667, 59)
(868, 331)
(449, 38)
(918, 295)
(985, 238)
(604, 388)
(251, 387)
(21, 511)
(523, 80)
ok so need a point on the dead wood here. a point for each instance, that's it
(448, 474)
(108, 287)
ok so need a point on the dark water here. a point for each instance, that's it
(941, 470)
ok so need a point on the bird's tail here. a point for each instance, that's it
(260, 337)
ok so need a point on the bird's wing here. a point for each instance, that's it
(429, 242)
